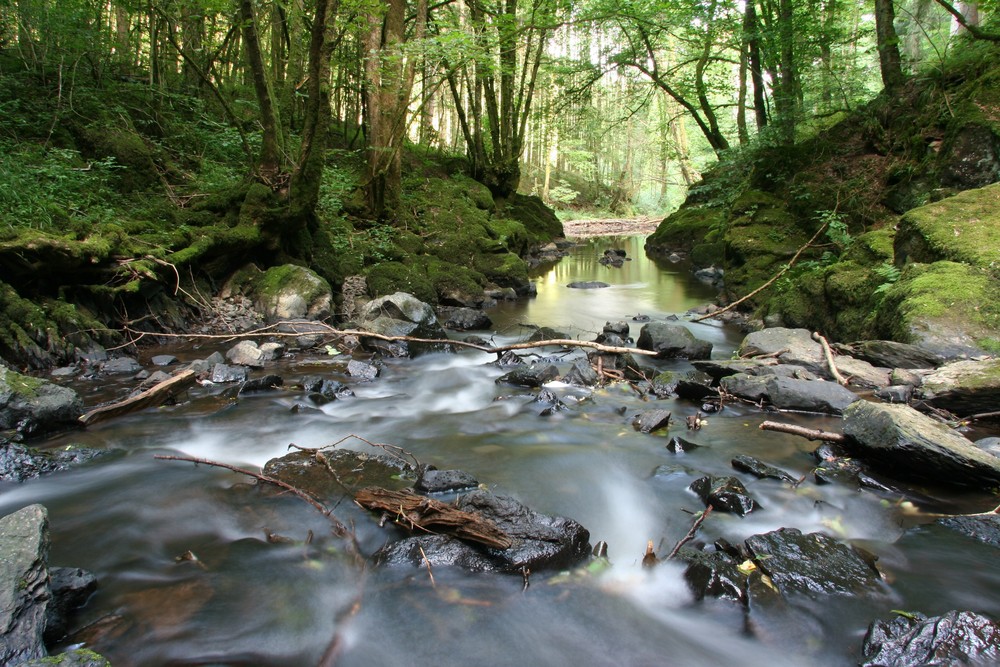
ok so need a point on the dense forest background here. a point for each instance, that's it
(150, 144)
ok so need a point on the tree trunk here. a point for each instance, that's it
(269, 164)
(889, 59)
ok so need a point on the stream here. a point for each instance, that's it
(249, 599)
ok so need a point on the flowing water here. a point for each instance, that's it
(248, 600)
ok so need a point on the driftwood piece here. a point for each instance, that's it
(808, 433)
(158, 394)
(828, 354)
(414, 512)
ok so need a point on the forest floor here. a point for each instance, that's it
(610, 227)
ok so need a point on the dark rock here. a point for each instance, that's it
(908, 444)
(224, 373)
(651, 420)
(671, 341)
(664, 385)
(890, 354)
(679, 445)
(811, 563)
(402, 314)
(552, 402)
(121, 366)
(477, 340)
(964, 388)
(330, 390)
(24, 584)
(613, 257)
(581, 374)
(266, 383)
(640, 318)
(464, 319)
(545, 333)
(591, 284)
(982, 527)
(271, 351)
(152, 380)
(362, 370)
(695, 386)
(953, 639)
(163, 360)
(714, 574)
(900, 393)
(529, 376)
(759, 469)
(711, 276)
(610, 339)
(619, 328)
(748, 387)
(442, 481)
(720, 368)
(809, 396)
(18, 463)
(971, 158)
(725, 494)
(71, 587)
(540, 542)
(34, 406)
(836, 467)
(508, 358)
(246, 353)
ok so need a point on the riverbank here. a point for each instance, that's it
(613, 227)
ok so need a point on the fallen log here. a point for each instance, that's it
(158, 394)
(413, 512)
(807, 433)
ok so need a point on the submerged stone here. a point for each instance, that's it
(529, 376)
(431, 480)
(759, 469)
(725, 494)
(651, 420)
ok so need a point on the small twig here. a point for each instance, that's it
(828, 353)
(807, 433)
(691, 532)
(427, 562)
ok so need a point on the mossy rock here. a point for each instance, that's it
(454, 285)
(290, 291)
(947, 307)
(506, 270)
(872, 247)
(540, 221)
(708, 254)
(684, 228)
(391, 277)
(963, 228)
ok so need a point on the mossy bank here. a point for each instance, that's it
(903, 197)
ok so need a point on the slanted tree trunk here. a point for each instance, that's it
(269, 163)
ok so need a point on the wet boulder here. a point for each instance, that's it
(163, 360)
(721, 368)
(246, 353)
(965, 387)
(35, 406)
(695, 386)
(620, 328)
(811, 563)
(581, 374)
(552, 403)
(952, 639)
(24, 584)
(70, 586)
(759, 469)
(890, 354)
(587, 284)
(790, 346)
(714, 574)
(354, 469)
(432, 480)
(534, 375)
(748, 387)
(725, 494)
(18, 462)
(540, 542)
(466, 319)
(264, 383)
(835, 466)
(651, 420)
(363, 370)
(984, 528)
(809, 396)
(679, 445)
(402, 314)
(613, 257)
(121, 366)
(222, 373)
(908, 444)
(329, 390)
(671, 341)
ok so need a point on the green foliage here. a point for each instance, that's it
(50, 188)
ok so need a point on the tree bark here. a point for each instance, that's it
(890, 62)
(269, 163)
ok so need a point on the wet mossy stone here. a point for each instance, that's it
(34, 405)
(683, 229)
(392, 277)
(965, 387)
(954, 638)
(811, 563)
(909, 445)
(290, 292)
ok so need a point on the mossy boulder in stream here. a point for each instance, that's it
(290, 292)
(35, 405)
